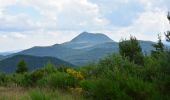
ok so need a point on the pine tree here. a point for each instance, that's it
(168, 32)
(21, 67)
(159, 48)
(131, 49)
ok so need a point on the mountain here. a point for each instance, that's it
(97, 52)
(9, 52)
(86, 37)
(33, 62)
(83, 49)
(87, 40)
(53, 51)
(1, 57)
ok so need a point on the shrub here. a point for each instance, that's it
(42, 82)
(37, 75)
(43, 72)
(89, 71)
(61, 80)
(165, 62)
(24, 80)
(102, 89)
(151, 69)
(74, 73)
(109, 63)
(137, 89)
(115, 64)
(3, 79)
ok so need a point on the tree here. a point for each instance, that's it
(21, 67)
(159, 48)
(168, 32)
(131, 49)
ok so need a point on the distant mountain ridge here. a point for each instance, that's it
(1, 57)
(33, 62)
(9, 52)
(83, 49)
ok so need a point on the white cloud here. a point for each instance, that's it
(54, 15)
(58, 21)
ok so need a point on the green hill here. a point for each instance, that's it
(33, 62)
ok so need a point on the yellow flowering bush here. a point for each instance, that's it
(75, 73)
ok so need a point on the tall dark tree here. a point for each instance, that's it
(159, 48)
(131, 49)
(168, 32)
(21, 67)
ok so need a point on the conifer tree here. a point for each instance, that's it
(168, 32)
(131, 49)
(21, 67)
(159, 48)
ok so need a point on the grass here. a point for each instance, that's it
(18, 93)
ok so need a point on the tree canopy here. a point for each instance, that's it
(131, 49)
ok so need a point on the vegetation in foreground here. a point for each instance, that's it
(129, 75)
(20, 93)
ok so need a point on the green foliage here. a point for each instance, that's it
(38, 95)
(24, 79)
(159, 48)
(126, 80)
(164, 61)
(151, 70)
(21, 67)
(112, 65)
(102, 89)
(3, 79)
(137, 89)
(48, 69)
(60, 80)
(131, 49)
(125, 76)
(89, 71)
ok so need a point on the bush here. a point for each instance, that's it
(137, 89)
(3, 79)
(43, 72)
(115, 64)
(102, 89)
(109, 63)
(88, 71)
(165, 62)
(24, 80)
(61, 80)
(76, 74)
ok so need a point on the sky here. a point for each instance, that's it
(28, 23)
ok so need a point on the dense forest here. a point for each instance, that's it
(127, 75)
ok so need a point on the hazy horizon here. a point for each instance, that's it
(28, 23)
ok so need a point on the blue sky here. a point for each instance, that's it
(28, 23)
